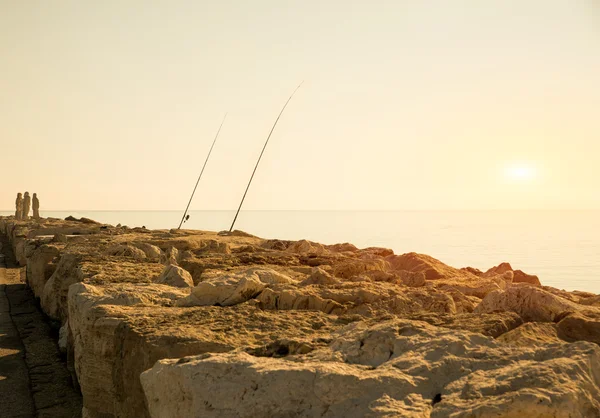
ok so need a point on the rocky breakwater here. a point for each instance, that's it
(193, 323)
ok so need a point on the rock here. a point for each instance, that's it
(289, 299)
(491, 325)
(578, 326)
(394, 368)
(40, 267)
(355, 267)
(306, 247)
(479, 290)
(59, 238)
(530, 334)
(88, 221)
(342, 248)
(276, 244)
(498, 270)
(152, 252)
(320, 277)
(531, 303)
(225, 290)
(269, 276)
(412, 278)
(171, 256)
(63, 334)
(432, 268)
(56, 289)
(215, 246)
(473, 271)
(126, 250)
(175, 276)
(520, 277)
(517, 276)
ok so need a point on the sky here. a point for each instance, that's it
(425, 104)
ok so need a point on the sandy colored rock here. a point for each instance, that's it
(521, 277)
(56, 289)
(383, 335)
(531, 303)
(396, 367)
(170, 257)
(578, 326)
(152, 252)
(224, 290)
(412, 278)
(532, 333)
(175, 276)
(319, 276)
(40, 267)
(126, 251)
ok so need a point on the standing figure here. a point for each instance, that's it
(36, 206)
(19, 207)
(26, 206)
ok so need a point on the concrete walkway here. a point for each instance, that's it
(15, 396)
(34, 380)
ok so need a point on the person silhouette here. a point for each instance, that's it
(26, 206)
(19, 207)
(36, 206)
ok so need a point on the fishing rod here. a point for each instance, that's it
(261, 154)
(183, 219)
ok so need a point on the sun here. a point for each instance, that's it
(520, 172)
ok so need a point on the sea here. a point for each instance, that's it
(561, 247)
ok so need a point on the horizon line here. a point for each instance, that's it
(324, 210)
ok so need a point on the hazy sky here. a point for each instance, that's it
(406, 104)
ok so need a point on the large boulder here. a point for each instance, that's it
(54, 296)
(40, 267)
(579, 326)
(531, 303)
(532, 333)
(392, 368)
(175, 276)
(224, 290)
(521, 277)
(125, 250)
(152, 252)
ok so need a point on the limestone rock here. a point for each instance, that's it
(63, 334)
(54, 295)
(175, 276)
(121, 250)
(521, 277)
(532, 333)
(171, 256)
(517, 276)
(59, 238)
(579, 326)
(320, 277)
(412, 278)
(531, 303)
(306, 247)
(40, 267)
(342, 248)
(225, 290)
(152, 252)
(355, 267)
(393, 368)
(499, 269)
(432, 268)
(269, 276)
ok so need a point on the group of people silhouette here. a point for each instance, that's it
(24, 204)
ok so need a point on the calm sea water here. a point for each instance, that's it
(561, 247)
